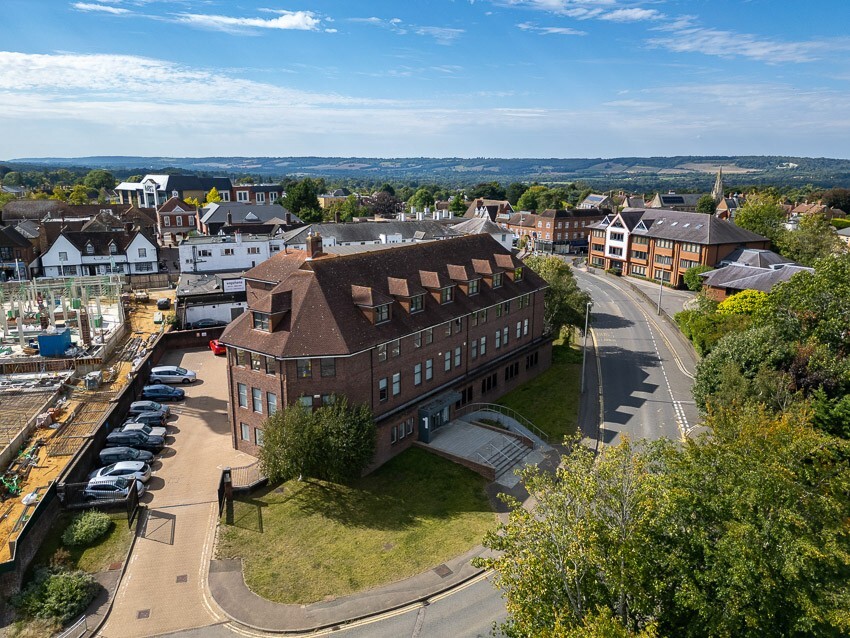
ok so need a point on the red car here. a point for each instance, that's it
(217, 348)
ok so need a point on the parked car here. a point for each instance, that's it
(217, 347)
(154, 417)
(163, 304)
(150, 430)
(171, 374)
(137, 407)
(162, 392)
(113, 487)
(135, 438)
(205, 323)
(111, 455)
(129, 469)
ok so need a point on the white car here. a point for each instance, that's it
(171, 374)
(128, 469)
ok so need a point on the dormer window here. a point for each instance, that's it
(382, 313)
(89, 249)
(497, 280)
(473, 286)
(446, 294)
(417, 303)
(112, 248)
(261, 321)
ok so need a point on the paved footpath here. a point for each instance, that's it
(165, 586)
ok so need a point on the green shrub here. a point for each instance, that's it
(840, 223)
(61, 595)
(692, 277)
(86, 528)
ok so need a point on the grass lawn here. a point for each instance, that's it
(550, 401)
(112, 548)
(303, 542)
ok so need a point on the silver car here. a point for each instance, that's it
(171, 374)
(128, 469)
(150, 430)
(112, 488)
(137, 407)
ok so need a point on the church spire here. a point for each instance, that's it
(717, 191)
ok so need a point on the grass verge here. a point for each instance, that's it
(551, 400)
(110, 549)
(303, 542)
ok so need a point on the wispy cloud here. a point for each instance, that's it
(442, 35)
(731, 44)
(287, 20)
(634, 14)
(529, 26)
(89, 6)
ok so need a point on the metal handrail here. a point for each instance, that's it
(505, 410)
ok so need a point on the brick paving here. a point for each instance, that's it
(164, 589)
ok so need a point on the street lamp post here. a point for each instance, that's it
(584, 356)
(660, 290)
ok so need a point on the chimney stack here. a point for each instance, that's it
(128, 227)
(229, 218)
(336, 217)
(314, 246)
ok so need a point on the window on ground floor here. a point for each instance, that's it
(245, 431)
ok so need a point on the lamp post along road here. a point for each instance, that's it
(660, 290)
(584, 355)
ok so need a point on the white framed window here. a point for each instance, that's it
(143, 253)
(227, 252)
(396, 384)
(525, 327)
(482, 346)
(178, 221)
(457, 357)
(245, 431)
(417, 374)
(241, 196)
(429, 369)
(498, 339)
(271, 403)
(257, 400)
(166, 220)
(242, 392)
(258, 437)
(518, 329)
(261, 198)
(63, 256)
(253, 250)
(447, 356)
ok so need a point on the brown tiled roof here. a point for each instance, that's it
(485, 267)
(368, 297)
(458, 272)
(175, 202)
(402, 287)
(276, 302)
(433, 280)
(325, 321)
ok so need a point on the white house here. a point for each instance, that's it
(226, 253)
(76, 253)
(482, 225)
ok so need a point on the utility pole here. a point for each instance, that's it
(660, 290)
(584, 356)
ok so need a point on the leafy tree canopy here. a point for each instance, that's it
(213, 196)
(421, 198)
(98, 178)
(335, 442)
(692, 277)
(812, 240)
(746, 302)
(302, 198)
(706, 205)
(565, 302)
(515, 191)
(762, 214)
(488, 190)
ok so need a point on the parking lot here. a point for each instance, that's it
(164, 587)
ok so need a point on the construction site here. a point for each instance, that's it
(69, 347)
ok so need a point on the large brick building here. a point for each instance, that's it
(663, 244)
(414, 332)
(556, 231)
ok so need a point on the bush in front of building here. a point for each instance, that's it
(59, 595)
(334, 443)
(86, 528)
(692, 277)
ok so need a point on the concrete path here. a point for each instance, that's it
(165, 585)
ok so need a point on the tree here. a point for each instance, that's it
(837, 198)
(421, 198)
(515, 191)
(302, 198)
(488, 190)
(384, 205)
(79, 195)
(692, 277)
(584, 546)
(565, 303)
(347, 209)
(12, 178)
(458, 205)
(530, 199)
(746, 302)
(741, 533)
(58, 194)
(763, 215)
(814, 239)
(387, 188)
(334, 443)
(213, 196)
(706, 205)
(99, 178)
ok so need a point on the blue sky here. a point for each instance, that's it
(436, 78)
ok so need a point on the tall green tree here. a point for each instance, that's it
(706, 205)
(421, 198)
(813, 239)
(515, 191)
(302, 198)
(335, 442)
(565, 302)
(531, 198)
(458, 204)
(79, 195)
(488, 190)
(99, 178)
(763, 215)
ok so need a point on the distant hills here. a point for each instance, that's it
(635, 173)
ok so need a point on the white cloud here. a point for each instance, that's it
(287, 20)
(731, 44)
(631, 15)
(528, 26)
(442, 35)
(89, 6)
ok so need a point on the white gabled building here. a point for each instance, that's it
(226, 253)
(81, 253)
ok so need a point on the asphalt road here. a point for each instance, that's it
(646, 371)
